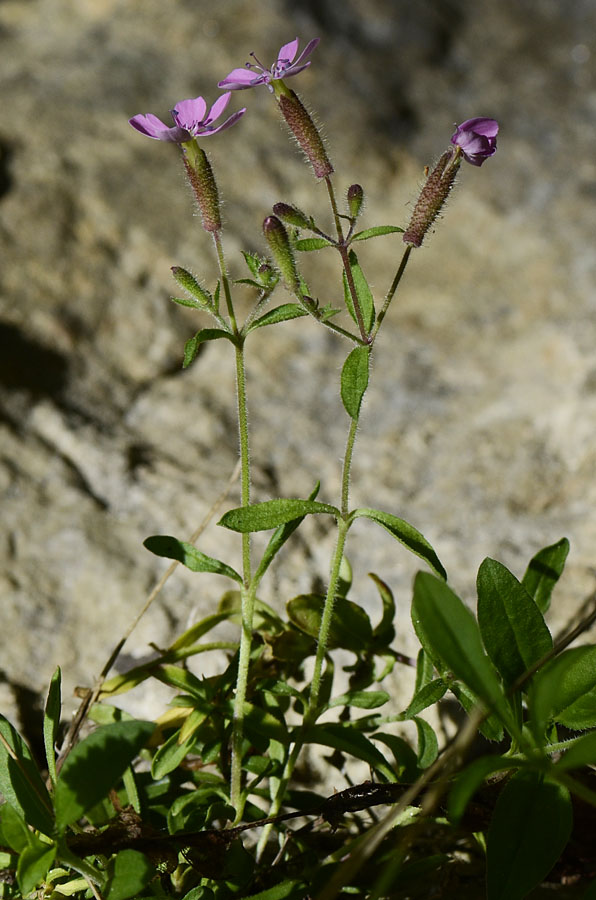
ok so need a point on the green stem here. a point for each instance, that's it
(391, 292)
(225, 280)
(343, 251)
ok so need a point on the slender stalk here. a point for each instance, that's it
(343, 251)
(391, 292)
(225, 280)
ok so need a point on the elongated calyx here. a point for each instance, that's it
(279, 244)
(355, 199)
(432, 197)
(305, 131)
(202, 180)
(292, 215)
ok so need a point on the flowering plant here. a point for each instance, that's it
(227, 760)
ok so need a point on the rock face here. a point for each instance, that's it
(479, 426)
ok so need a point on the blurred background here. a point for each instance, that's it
(480, 424)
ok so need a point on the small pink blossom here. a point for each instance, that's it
(477, 139)
(288, 63)
(191, 120)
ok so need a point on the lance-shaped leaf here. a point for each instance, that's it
(282, 313)
(512, 627)
(51, 721)
(405, 533)
(363, 293)
(452, 632)
(565, 691)
(271, 513)
(193, 345)
(529, 830)
(347, 739)
(34, 864)
(544, 571)
(279, 537)
(94, 767)
(354, 380)
(307, 244)
(467, 782)
(171, 548)
(376, 231)
(384, 632)
(20, 781)
(350, 626)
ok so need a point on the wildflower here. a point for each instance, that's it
(476, 139)
(255, 73)
(190, 121)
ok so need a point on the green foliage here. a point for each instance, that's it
(363, 293)
(354, 380)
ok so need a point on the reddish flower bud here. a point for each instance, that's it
(292, 215)
(355, 199)
(305, 131)
(202, 180)
(432, 197)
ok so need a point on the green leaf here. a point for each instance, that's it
(513, 630)
(405, 758)
(375, 232)
(34, 864)
(20, 782)
(347, 739)
(188, 555)
(279, 538)
(354, 380)
(192, 304)
(363, 293)
(427, 696)
(581, 753)
(51, 722)
(202, 297)
(491, 727)
(405, 533)
(453, 634)
(361, 699)
(529, 830)
(193, 345)
(285, 890)
(94, 767)
(384, 632)
(350, 625)
(565, 691)
(279, 314)
(271, 513)
(196, 631)
(469, 780)
(128, 873)
(14, 829)
(307, 244)
(181, 679)
(428, 745)
(253, 262)
(169, 756)
(544, 571)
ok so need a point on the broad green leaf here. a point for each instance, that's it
(354, 380)
(405, 533)
(512, 628)
(405, 759)
(452, 632)
(14, 831)
(468, 781)
(375, 232)
(428, 745)
(271, 513)
(427, 696)
(34, 864)
(188, 555)
(350, 625)
(279, 538)
(307, 244)
(51, 722)
(363, 293)
(94, 767)
(169, 756)
(581, 753)
(279, 314)
(491, 727)
(193, 345)
(128, 873)
(565, 691)
(544, 571)
(531, 825)
(347, 739)
(20, 781)
(361, 699)
(384, 632)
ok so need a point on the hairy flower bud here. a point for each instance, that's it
(291, 214)
(279, 244)
(355, 199)
(202, 180)
(305, 131)
(432, 197)
(190, 284)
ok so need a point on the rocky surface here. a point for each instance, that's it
(479, 427)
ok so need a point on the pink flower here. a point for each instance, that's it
(477, 139)
(190, 121)
(256, 73)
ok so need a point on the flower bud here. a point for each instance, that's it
(292, 215)
(432, 197)
(202, 180)
(355, 199)
(306, 133)
(279, 244)
(190, 284)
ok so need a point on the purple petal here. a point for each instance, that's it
(288, 52)
(218, 107)
(481, 125)
(227, 124)
(307, 51)
(149, 125)
(239, 79)
(188, 112)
